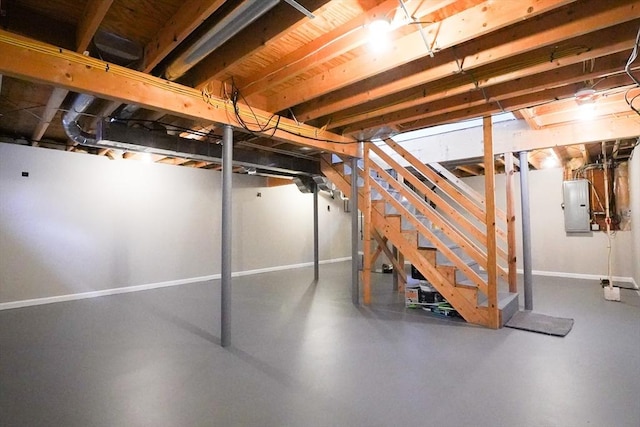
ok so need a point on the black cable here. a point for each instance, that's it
(265, 128)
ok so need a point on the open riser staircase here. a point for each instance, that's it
(438, 224)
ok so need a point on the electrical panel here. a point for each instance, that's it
(575, 195)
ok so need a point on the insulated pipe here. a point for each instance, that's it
(355, 260)
(316, 246)
(225, 288)
(526, 230)
(237, 20)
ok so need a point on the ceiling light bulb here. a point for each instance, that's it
(379, 35)
(585, 96)
(379, 26)
(587, 111)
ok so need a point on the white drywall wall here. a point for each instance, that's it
(552, 249)
(82, 223)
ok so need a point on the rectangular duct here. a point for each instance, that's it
(122, 137)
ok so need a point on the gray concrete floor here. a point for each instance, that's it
(302, 355)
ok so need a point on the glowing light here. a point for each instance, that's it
(587, 111)
(379, 35)
(146, 157)
(549, 162)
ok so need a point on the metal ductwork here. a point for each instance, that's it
(70, 121)
(122, 137)
(304, 184)
(112, 48)
(237, 20)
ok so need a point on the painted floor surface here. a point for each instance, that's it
(303, 355)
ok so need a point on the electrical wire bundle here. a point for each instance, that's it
(627, 69)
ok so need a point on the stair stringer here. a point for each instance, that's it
(459, 299)
(463, 299)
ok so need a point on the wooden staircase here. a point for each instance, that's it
(438, 224)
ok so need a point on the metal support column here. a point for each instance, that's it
(316, 246)
(355, 258)
(526, 229)
(225, 289)
(396, 273)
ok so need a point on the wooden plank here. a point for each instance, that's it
(526, 37)
(468, 310)
(510, 172)
(274, 24)
(331, 45)
(322, 49)
(497, 92)
(563, 70)
(191, 14)
(442, 205)
(510, 104)
(466, 188)
(462, 242)
(492, 258)
(429, 254)
(397, 266)
(94, 13)
(466, 25)
(445, 186)
(53, 104)
(456, 296)
(277, 182)
(35, 61)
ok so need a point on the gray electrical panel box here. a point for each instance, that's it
(575, 195)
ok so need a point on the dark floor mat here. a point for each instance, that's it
(541, 323)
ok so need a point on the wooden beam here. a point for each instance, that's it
(476, 21)
(511, 221)
(491, 89)
(191, 14)
(35, 61)
(275, 23)
(490, 197)
(585, 154)
(526, 37)
(495, 107)
(53, 104)
(94, 13)
(470, 248)
(332, 44)
(397, 265)
(469, 170)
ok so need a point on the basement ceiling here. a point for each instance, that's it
(310, 84)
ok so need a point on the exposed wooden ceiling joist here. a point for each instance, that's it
(600, 46)
(94, 13)
(38, 62)
(566, 23)
(499, 93)
(455, 30)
